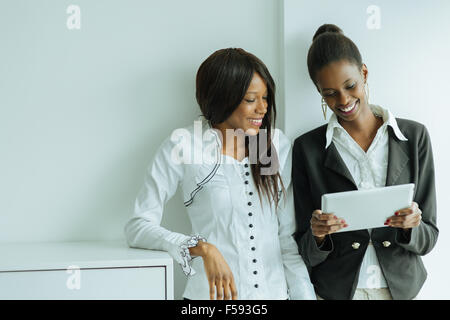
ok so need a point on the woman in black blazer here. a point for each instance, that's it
(363, 146)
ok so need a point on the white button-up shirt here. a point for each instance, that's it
(223, 206)
(369, 170)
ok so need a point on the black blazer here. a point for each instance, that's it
(334, 268)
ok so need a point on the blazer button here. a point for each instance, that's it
(355, 245)
(386, 244)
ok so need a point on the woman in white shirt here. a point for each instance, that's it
(234, 170)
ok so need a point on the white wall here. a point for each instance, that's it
(83, 111)
(408, 62)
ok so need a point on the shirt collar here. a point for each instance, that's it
(387, 116)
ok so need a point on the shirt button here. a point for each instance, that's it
(250, 214)
(250, 193)
(246, 165)
(255, 272)
(256, 286)
(252, 237)
(247, 173)
(355, 245)
(250, 225)
(246, 182)
(254, 260)
(249, 203)
(253, 248)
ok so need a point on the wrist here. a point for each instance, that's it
(319, 240)
(204, 248)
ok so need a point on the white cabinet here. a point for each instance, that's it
(84, 270)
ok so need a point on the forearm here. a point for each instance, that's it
(419, 240)
(297, 276)
(140, 233)
(311, 251)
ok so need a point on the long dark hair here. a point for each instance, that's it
(329, 45)
(222, 81)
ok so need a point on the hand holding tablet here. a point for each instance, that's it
(365, 209)
(325, 223)
(407, 218)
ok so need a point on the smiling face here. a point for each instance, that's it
(249, 115)
(341, 84)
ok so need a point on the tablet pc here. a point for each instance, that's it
(369, 208)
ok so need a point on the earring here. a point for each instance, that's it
(324, 108)
(367, 92)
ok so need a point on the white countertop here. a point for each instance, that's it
(82, 254)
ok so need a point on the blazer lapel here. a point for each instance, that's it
(398, 159)
(334, 162)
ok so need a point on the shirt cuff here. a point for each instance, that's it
(326, 245)
(185, 254)
(404, 236)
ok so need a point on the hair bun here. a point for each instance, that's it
(327, 28)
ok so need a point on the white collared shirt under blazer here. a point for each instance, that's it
(223, 206)
(369, 170)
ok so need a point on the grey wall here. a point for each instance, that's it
(408, 62)
(83, 110)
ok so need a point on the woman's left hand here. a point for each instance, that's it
(406, 218)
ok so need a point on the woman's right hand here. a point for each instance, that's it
(218, 273)
(325, 223)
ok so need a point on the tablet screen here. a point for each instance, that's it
(369, 208)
